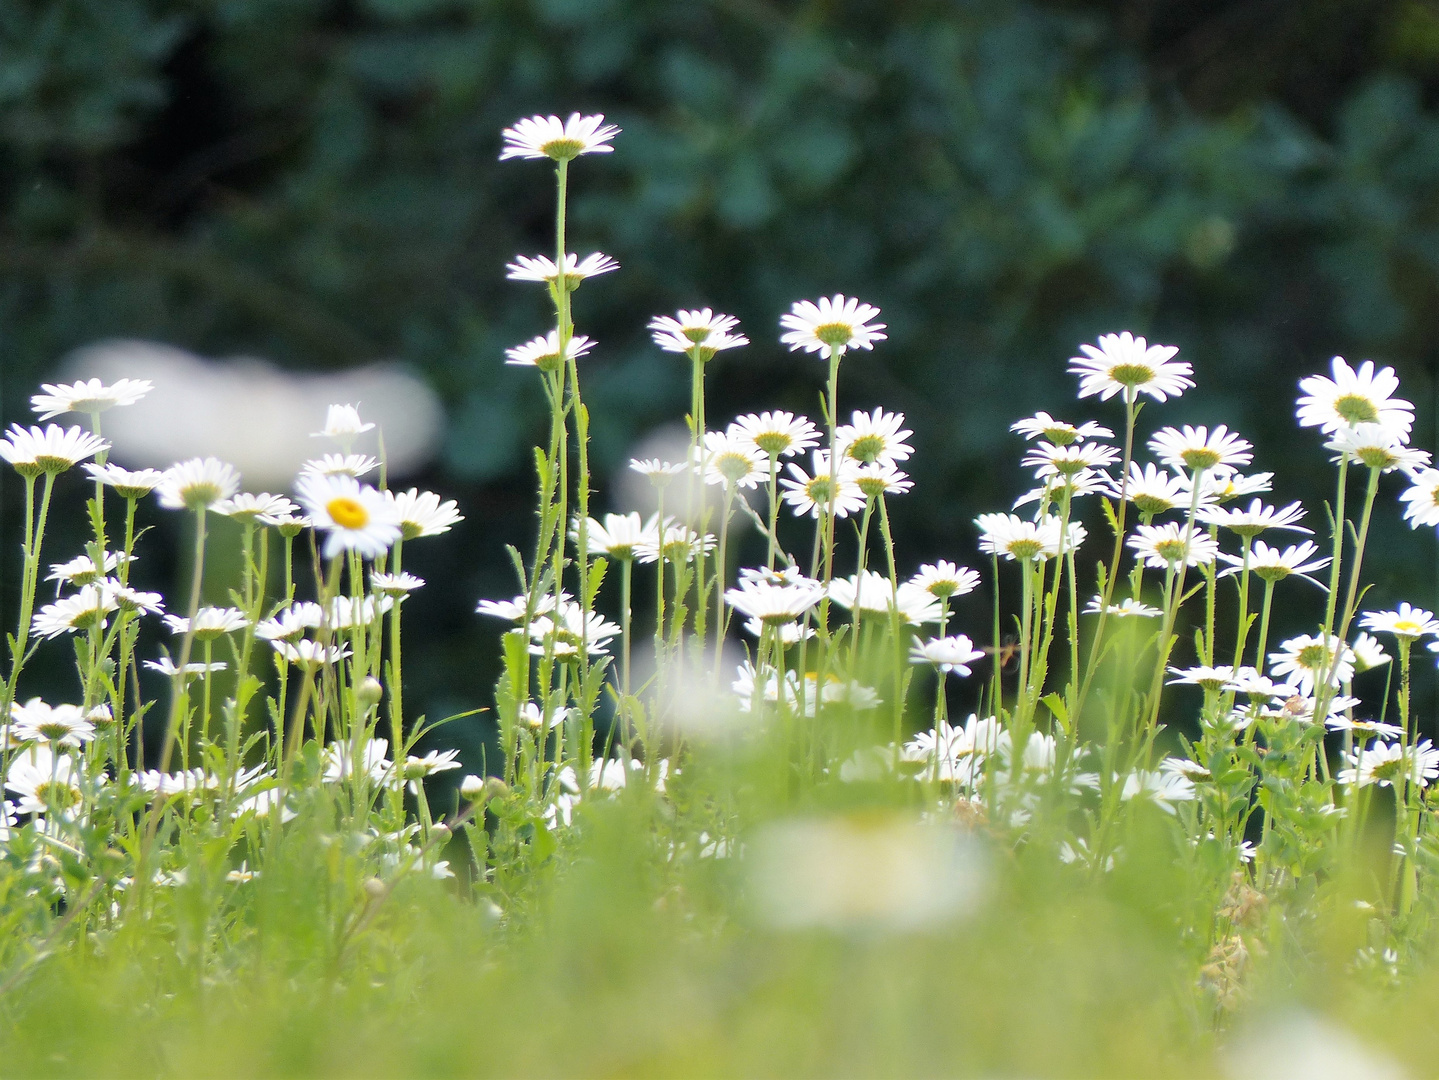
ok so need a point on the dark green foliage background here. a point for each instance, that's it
(317, 182)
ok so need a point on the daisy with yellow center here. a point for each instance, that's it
(355, 516)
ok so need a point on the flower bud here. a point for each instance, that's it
(369, 692)
(473, 788)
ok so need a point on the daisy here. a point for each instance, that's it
(265, 508)
(876, 594)
(349, 611)
(342, 423)
(819, 493)
(542, 269)
(1223, 487)
(659, 472)
(343, 761)
(421, 513)
(729, 460)
(790, 633)
(1123, 363)
(166, 666)
(565, 634)
(619, 536)
(678, 543)
(1042, 425)
(1384, 763)
(874, 437)
(1084, 482)
(833, 324)
(1250, 683)
(881, 478)
(1048, 459)
(197, 484)
(47, 783)
(547, 137)
(1423, 498)
(1199, 449)
(82, 570)
(84, 610)
(1014, 538)
(395, 585)
(514, 610)
(128, 484)
(1252, 522)
(128, 599)
(58, 725)
(1272, 564)
(779, 434)
(291, 622)
(543, 352)
(87, 396)
(1163, 788)
(1124, 609)
(353, 465)
(310, 654)
(949, 654)
(1304, 658)
(209, 622)
(1364, 728)
(1368, 653)
(1403, 622)
(1377, 446)
(1353, 397)
(33, 451)
(1154, 491)
(436, 761)
(1165, 546)
(1210, 678)
(774, 604)
(944, 579)
(699, 333)
(358, 517)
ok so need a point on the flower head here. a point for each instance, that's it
(619, 536)
(1199, 449)
(197, 484)
(944, 579)
(310, 654)
(774, 603)
(1014, 538)
(395, 586)
(355, 465)
(817, 493)
(1154, 491)
(209, 622)
(1129, 365)
(1422, 498)
(1058, 432)
(544, 352)
(82, 570)
(1304, 660)
(540, 268)
(833, 323)
(87, 396)
(128, 484)
(730, 460)
(1172, 544)
(876, 594)
(699, 333)
(422, 513)
(874, 437)
(1378, 446)
(357, 517)
(264, 508)
(1272, 564)
(1252, 522)
(949, 654)
(776, 434)
(33, 451)
(1353, 397)
(548, 137)
(1128, 607)
(57, 725)
(342, 423)
(1384, 763)
(1403, 622)
(85, 610)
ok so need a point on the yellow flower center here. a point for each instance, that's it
(1356, 409)
(347, 513)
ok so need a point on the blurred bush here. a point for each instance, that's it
(315, 181)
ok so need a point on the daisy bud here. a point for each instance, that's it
(473, 788)
(369, 692)
(374, 888)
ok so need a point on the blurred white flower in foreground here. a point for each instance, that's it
(1301, 1046)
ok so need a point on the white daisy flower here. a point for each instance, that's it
(839, 323)
(82, 570)
(876, 594)
(1256, 519)
(1050, 459)
(679, 543)
(353, 465)
(944, 579)
(1163, 788)
(1302, 659)
(791, 633)
(700, 332)
(1385, 763)
(422, 513)
(87, 396)
(1165, 546)
(773, 604)
(265, 508)
(539, 137)
(1423, 498)
(874, 437)
(343, 761)
(1210, 678)
(1364, 728)
(1353, 397)
(1124, 609)
(1154, 491)
(395, 585)
(952, 654)
(357, 517)
(1273, 564)
(814, 494)
(291, 622)
(1250, 683)
(730, 460)
(1015, 538)
(880, 478)
(436, 761)
(1222, 486)
(349, 611)
(1368, 653)
(1196, 448)
(197, 484)
(310, 654)
(33, 451)
(58, 725)
(1084, 482)
(86, 609)
(1129, 365)
(542, 269)
(47, 783)
(1060, 433)
(564, 635)
(778, 434)
(209, 622)
(129, 599)
(514, 610)
(1403, 622)
(167, 667)
(618, 536)
(543, 352)
(1377, 446)
(128, 484)
(342, 423)
(659, 472)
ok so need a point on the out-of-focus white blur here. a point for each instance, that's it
(252, 414)
(865, 872)
(1295, 1045)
